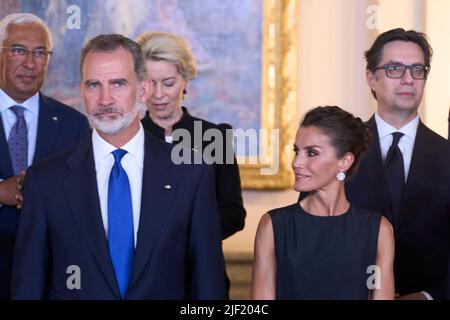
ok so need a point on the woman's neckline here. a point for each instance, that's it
(300, 208)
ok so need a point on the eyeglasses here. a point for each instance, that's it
(18, 52)
(397, 70)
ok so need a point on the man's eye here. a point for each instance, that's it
(119, 83)
(39, 53)
(395, 67)
(92, 85)
(19, 51)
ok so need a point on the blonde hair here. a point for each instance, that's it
(169, 47)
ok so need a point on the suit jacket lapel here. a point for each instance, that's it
(48, 129)
(47, 133)
(82, 196)
(6, 169)
(373, 165)
(158, 188)
(417, 176)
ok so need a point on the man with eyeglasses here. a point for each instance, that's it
(405, 174)
(32, 125)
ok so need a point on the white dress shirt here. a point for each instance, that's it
(31, 114)
(133, 164)
(406, 143)
(168, 139)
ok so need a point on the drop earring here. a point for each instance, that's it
(340, 176)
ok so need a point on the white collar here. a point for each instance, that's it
(385, 129)
(31, 104)
(134, 147)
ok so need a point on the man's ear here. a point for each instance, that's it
(145, 90)
(371, 79)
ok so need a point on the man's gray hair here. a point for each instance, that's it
(19, 19)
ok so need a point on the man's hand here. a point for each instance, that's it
(412, 296)
(10, 191)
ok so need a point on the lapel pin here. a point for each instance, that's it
(168, 186)
(55, 119)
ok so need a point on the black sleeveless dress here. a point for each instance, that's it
(321, 257)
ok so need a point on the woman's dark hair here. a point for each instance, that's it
(346, 132)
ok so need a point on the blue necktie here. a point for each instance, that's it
(120, 223)
(395, 174)
(18, 141)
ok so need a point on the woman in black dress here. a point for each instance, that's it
(323, 247)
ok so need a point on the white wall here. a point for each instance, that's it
(407, 14)
(332, 38)
(437, 99)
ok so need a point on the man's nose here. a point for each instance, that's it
(105, 98)
(407, 76)
(29, 61)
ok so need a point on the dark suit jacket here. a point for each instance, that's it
(228, 181)
(59, 127)
(422, 232)
(178, 252)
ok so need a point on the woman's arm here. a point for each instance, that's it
(385, 262)
(264, 268)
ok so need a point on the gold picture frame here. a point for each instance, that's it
(271, 169)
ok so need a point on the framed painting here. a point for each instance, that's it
(246, 57)
(271, 168)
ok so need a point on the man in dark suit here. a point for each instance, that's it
(114, 217)
(405, 174)
(32, 126)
